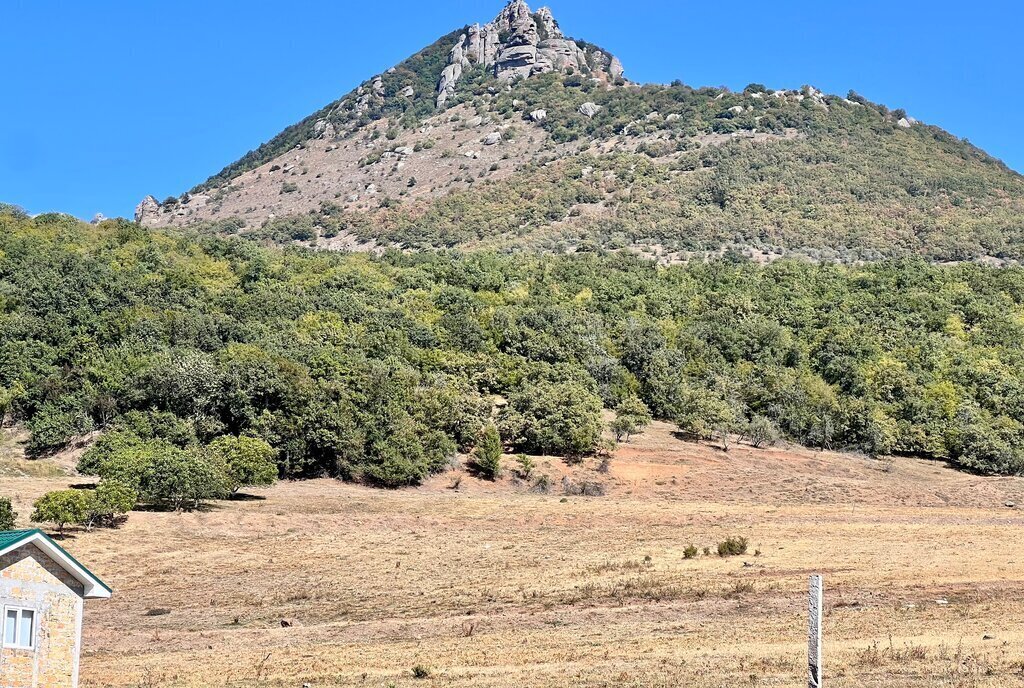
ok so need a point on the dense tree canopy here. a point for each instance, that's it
(380, 369)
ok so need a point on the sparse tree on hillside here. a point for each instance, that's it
(631, 417)
(107, 502)
(487, 454)
(61, 507)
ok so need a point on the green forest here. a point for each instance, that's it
(382, 369)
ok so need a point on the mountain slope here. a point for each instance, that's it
(511, 135)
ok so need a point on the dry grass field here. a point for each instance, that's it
(494, 585)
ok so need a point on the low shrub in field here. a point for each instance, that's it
(690, 552)
(733, 546)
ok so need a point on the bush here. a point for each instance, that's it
(8, 516)
(582, 488)
(526, 466)
(542, 484)
(246, 461)
(732, 547)
(553, 418)
(61, 507)
(52, 428)
(110, 500)
(631, 417)
(420, 671)
(761, 432)
(487, 454)
(181, 479)
(690, 552)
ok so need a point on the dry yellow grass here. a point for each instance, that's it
(491, 585)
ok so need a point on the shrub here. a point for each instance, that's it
(553, 418)
(582, 488)
(761, 432)
(52, 428)
(182, 479)
(526, 466)
(487, 454)
(420, 671)
(631, 417)
(107, 502)
(732, 547)
(8, 516)
(246, 461)
(61, 507)
(690, 552)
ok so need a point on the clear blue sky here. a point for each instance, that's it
(105, 101)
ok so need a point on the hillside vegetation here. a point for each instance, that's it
(669, 170)
(380, 369)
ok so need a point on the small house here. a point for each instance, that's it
(42, 593)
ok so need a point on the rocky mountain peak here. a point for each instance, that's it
(520, 43)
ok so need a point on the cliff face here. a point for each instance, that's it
(520, 43)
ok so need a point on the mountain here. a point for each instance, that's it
(512, 135)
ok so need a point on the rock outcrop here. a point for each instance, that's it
(148, 209)
(520, 43)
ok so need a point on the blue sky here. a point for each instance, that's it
(105, 101)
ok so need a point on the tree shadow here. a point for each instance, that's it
(244, 497)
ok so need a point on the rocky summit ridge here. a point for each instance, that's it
(521, 43)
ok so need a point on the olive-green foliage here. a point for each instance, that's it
(61, 507)
(526, 466)
(733, 546)
(631, 417)
(379, 368)
(182, 479)
(487, 453)
(549, 417)
(8, 516)
(841, 181)
(110, 500)
(247, 461)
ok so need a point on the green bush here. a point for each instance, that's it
(246, 461)
(52, 427)
(107, 502)
(487, 454)
(732, 547)
(8, 516)
(690, 552)
(526, 466)
(62, 507)
(631, 417)
(553, 418)
(182, 480)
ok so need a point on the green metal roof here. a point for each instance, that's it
(10, 539)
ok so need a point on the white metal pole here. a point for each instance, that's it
(814, 609)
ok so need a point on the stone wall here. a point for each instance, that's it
(29, 578)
